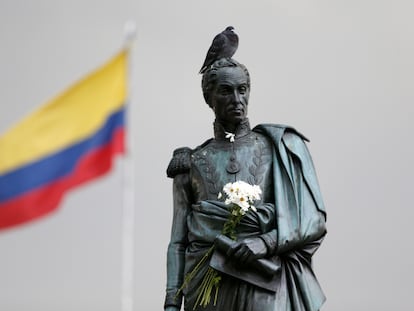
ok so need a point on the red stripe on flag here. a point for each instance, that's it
(41, 201)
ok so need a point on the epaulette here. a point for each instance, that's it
(180, 162)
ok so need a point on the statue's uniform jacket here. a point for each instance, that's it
(261, 157)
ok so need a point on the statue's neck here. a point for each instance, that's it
(240, 130)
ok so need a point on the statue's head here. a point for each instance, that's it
(226, 89)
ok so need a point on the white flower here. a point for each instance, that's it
(219, 196)
(242, 194)
(229, 190)
(243, 202)
(256, 192)
(231, 136)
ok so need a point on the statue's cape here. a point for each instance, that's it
(300, 218)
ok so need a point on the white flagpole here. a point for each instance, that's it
(128, 210)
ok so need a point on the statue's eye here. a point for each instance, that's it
(225, 90)
(243, 89)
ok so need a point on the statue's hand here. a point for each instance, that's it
(171, 308)
(248, 250)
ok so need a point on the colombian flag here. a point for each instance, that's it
(68, 141)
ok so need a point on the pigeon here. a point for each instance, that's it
(224, 45)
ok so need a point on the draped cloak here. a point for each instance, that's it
(298, 214)
(300, 219)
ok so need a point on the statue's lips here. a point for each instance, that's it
(235, 111)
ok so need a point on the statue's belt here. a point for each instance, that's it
(264, 272)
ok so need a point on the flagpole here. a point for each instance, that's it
(128, 204)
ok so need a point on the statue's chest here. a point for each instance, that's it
(248, 159)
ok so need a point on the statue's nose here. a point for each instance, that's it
(237, 97)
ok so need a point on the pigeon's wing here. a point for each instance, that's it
(215, 51)
(217, 45)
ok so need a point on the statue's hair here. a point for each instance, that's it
(210, 76)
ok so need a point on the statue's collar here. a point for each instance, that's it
(242, 129)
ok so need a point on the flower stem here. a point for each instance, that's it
(211, 281)
(190, 275)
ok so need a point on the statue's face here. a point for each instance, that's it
(230, 96)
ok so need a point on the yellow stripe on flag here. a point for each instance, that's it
(70, 117)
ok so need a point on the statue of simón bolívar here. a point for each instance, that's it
(285, 231)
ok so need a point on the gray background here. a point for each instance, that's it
(341, 72)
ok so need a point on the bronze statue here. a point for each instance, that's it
(268, 265)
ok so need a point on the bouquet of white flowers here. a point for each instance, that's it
(240, 197)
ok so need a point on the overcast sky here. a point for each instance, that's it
(340, 72)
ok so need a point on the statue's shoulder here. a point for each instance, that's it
(199, 149)
(277, 132)
(180, 162)
(286, 137)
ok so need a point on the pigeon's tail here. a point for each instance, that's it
(203, 70)
(207, 63)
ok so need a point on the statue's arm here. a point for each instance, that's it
(310, 215)
(178, 169)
